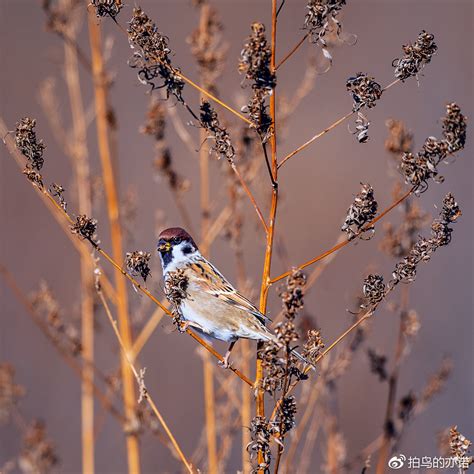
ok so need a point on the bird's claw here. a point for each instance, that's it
(225, 363)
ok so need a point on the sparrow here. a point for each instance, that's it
(211, 304)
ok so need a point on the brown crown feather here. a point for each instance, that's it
(176, 233)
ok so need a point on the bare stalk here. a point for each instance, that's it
(140, 382)
(82, 176)
(101, 104)
(292, 51)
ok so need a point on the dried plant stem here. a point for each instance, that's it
(345, 242)
(82, 177)
(260, 402)
(250, 196)
(328, 129)
(54, 209)
(292, 51)
(208, 367)
(392, 385)
(101, 104)
(315, 137)
(139, 380)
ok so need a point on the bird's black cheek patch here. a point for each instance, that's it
(187, 249)
(167, 257)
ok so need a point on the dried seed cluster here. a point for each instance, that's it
(377, 364)
(313, 346)
(10, 392)
(416, 57)
(405, 271)
(406, 406)
(137, 263)
(362, 128)
(176, 286)
(107, 7)
(373, 290)
(318, 17)
(85, 227)
(261, 430)
(255, 63)
(365, 91)
(62, 333)
(361, 211)
(459, 444)
(57, 191)
(38, 453)
(210, 122)
(28, 144)
(152, 58)
(255, 59)
(286, 414)
(209, 49)
(399, 140)
(155, 126)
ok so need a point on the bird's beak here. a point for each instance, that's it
(164, 247)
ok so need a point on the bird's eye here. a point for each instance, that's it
(176, 240)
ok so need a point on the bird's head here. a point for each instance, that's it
(176, 247)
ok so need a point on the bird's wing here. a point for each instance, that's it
(214, 283)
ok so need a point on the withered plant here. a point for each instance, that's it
(279, 412)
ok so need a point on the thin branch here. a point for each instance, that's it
(109, 177)
(326, 130)
(345, 242)
(139, 379)
(291, 52)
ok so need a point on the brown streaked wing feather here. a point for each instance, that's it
(217, 285)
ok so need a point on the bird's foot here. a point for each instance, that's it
(225, 363)
(183, 326)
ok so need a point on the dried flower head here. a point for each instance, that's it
(406, 406)
(28, 144)
(286, 414)
(365, 91)
(10, 392)
(261, 432)
(34, 177)
(377, 364)
(454, 128)
(210, 122)
(416, 57)
(399, 140)
(137, 263)
(163, 164)
(152, 58)
(460, 447)
(274, 366)
(450, 211)
(361, 211)
(255, 59)
(38, 454)
(86, 228)
(155, 122)
(437, 381)
(318, 17)
(292, 295)
(57, 191)
(107, 7)
(420, 168)
(208, 48)
(257, 110)
(176, 286)
(362, 128)
(374, 289)
(410, 323)
(314, 346)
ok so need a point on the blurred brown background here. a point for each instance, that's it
(317, 187)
